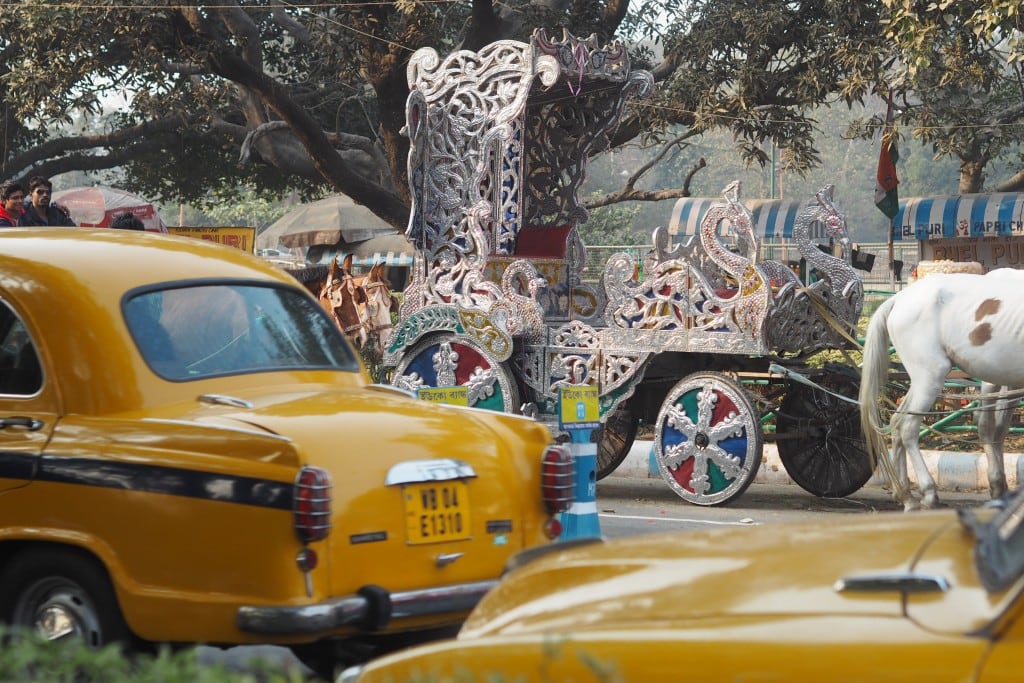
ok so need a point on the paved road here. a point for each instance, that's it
(629, 506)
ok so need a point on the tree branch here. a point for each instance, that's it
(632, 195)
(61, 146)
(1014, 184)
(614, 12)
(292, 26)
(385, 203)
(665, 149)
(95, 162)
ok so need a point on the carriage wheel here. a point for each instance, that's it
(449, 360)
(824, 451)
(708, 439)
(615, 438)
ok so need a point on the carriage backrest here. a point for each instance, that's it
(498, 146)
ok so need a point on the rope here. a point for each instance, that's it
(978, 397)
(797, 377)
(819, 303)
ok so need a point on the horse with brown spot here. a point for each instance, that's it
(975, 322)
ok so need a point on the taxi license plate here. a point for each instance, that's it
(436, 512)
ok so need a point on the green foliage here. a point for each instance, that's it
(269, 96)
(960, 79)
(757, 70)
(203, 170)
(26, 657)
(613, 225)
(850, 167)
(245, 206)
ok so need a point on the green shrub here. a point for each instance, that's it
(27, 658)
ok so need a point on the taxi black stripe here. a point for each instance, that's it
(173, 481)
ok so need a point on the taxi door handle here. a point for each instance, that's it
(32, 424)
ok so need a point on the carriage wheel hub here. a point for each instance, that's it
(701, 440)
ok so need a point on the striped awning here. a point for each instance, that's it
(391, 249)
(388, 258)
(966, 215)
(773, 218)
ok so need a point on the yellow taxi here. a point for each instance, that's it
(191, 452)
(933, 596)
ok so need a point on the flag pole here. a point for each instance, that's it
(887, 183)
(892, 258)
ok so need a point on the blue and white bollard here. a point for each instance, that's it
(580, 520)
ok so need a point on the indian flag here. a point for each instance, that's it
(886, 194)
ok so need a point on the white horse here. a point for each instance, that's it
(975, 322)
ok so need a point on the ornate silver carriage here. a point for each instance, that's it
(708, 341)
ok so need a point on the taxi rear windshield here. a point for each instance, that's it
(206, 330)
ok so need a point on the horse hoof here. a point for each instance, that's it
(911, 505)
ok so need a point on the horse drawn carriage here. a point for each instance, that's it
(706, 344)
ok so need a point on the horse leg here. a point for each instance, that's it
(906, 426)
(993, 425)
(901, 492)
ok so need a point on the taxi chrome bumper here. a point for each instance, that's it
(371, 608)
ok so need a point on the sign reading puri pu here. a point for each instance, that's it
(968, 215)
(578, 407)
(984, 228)
(243, 238)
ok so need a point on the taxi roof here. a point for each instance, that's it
(121, 259)
(68, 285)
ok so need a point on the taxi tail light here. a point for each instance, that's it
(558, 479)
(553, 528)
(312, 504)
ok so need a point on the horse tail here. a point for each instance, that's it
(874, 370)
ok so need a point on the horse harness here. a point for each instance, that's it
(377, 293)
(333, 297)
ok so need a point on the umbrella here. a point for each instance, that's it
(94, 207)
(329, 221)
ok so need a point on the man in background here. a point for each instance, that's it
(38, 208)
(12, 204)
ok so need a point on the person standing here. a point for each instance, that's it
(12, 204)
(38, 209)
(127, 221)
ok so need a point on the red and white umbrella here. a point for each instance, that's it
(94, 207)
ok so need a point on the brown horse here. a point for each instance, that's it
(342, 296)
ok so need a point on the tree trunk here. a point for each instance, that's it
(972, 176)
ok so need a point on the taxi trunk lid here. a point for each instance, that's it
(423, 495)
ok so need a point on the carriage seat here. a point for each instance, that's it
(546, 247)
(543, 242)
